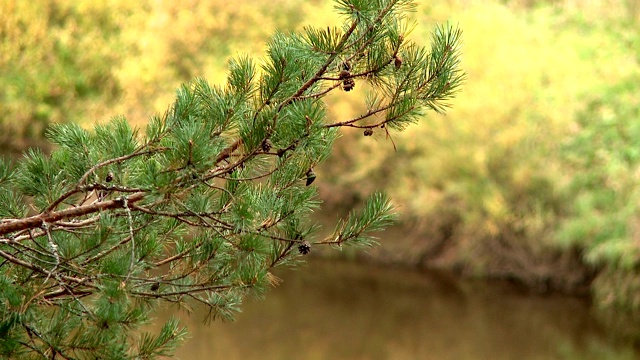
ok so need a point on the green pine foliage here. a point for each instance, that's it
(200, 206)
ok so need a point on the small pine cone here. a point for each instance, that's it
(348, 84)
(109, 177)
(311, 176)
(266, 145)
(397, 62)
(368, 132)
(344, 74)
(304, 248)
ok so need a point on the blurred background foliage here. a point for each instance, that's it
(532, 174)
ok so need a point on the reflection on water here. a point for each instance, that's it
(332, 310)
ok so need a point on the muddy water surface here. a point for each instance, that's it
(334, 310)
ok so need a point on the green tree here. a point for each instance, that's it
(214, 194)
(602, 216)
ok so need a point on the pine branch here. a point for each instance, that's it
(37, 221)
(215, 194)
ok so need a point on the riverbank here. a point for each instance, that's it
(438, 244)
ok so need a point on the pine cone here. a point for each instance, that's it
(304, 248)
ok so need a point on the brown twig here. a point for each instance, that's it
(51, 217)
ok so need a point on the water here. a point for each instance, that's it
(334, 310)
